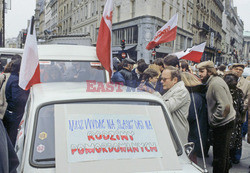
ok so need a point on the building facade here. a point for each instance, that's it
(132, 21)
(212, 21)
(233, 26)
(207, 27)
(246, 47)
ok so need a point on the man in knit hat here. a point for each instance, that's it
(221, 114)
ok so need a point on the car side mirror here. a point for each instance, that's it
(189, 147)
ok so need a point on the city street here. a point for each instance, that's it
(242, 167)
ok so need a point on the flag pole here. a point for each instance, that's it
(32, 25)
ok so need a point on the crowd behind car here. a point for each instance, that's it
(215, 98)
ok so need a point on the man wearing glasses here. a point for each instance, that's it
(177, 100)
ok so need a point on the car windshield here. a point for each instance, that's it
(71, 71)
(43, 146)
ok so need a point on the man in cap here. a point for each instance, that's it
(242, 84)
(221, 114)
(126, 71)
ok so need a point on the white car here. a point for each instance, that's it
(7, 53)
(96, 127)
(65, 63)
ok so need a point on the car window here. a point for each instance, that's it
(71, 71)
(43, 146)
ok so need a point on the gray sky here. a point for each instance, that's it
(17, 18)
(22, 10)
(243, 12)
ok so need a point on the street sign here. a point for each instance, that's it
(123, 55)
(212, 39)
(153, 53)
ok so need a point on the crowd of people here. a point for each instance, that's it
(215, 98)
(12, 103)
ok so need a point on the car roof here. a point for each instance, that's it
(67, 52)
(68, 91)
(11, 51)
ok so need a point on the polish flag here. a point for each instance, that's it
(30, 69)
(166, 34)
(103, 45)
(192, 54)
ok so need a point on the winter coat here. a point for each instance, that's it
(218, 97)
(16, 97)
(3, 103)
(198, 97)
(117, 77)
(177, 100)
(129, 78)
(238, 103)
(244, 85)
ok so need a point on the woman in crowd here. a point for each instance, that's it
(3, 80)
(150, 78)
(16, 98)
(236, 140)
(198, 108)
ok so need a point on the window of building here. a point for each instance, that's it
(118, 13)
(132, 8)
(102, 9)
(130, 34)
(170, 12)
(189, 42)
(182, 42)
(163, 10)
(183, 20)
(86, 11)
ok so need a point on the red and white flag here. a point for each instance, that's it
(30, 69)
(192, 54)
(166, 34)
(104, 44)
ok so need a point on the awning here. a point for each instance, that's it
(117, 49)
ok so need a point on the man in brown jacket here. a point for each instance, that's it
(221, 114)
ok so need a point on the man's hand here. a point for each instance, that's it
(226, 111)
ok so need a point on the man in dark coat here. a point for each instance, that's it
(16, 98)
(126, 71)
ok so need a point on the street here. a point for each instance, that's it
(242, 167)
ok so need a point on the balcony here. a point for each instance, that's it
(203, 26)
(190, 4)
(219, 4)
